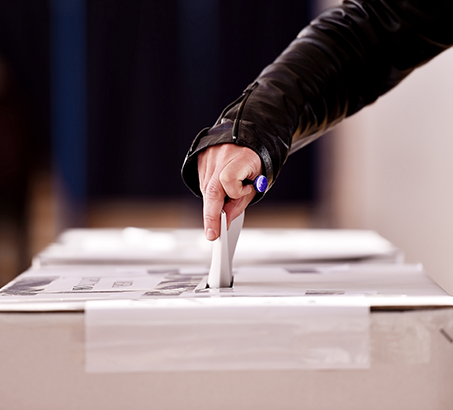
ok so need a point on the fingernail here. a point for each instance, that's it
(210, 234)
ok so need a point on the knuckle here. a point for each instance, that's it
(227, 176)
(211, 191)
(210, 219)
(231, 184)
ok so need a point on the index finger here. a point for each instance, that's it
(213, 201)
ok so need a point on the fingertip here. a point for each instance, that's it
(211, 235)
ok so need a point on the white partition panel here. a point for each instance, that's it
(392, 168)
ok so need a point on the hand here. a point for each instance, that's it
(221, 170)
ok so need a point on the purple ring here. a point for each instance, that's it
(260, 183)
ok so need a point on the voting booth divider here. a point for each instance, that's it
(318, 319)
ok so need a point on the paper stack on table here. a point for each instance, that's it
(189, 246)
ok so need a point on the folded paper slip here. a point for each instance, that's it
(221, 271)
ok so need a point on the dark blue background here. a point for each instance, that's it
(156, 72)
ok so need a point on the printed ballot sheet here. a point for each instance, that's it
(67, 288)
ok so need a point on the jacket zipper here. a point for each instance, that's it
(245, 96)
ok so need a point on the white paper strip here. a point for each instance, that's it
(227, 334)
(233, 235)
(220, 273)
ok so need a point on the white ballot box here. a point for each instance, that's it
(284, 336)
(189, 246)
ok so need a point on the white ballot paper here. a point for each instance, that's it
(220, 273)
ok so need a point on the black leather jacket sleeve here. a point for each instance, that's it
(344, 60)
